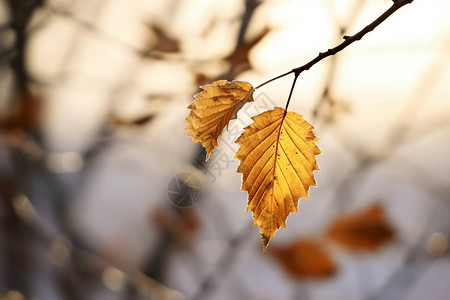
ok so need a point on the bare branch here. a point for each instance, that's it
(347, 41)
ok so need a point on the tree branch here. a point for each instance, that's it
(347, 41)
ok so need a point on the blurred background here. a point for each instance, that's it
(104, 196)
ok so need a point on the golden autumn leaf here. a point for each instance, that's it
(277, 156)
(365, 231)
(304, 258)
(213, 108)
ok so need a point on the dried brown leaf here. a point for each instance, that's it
(277, 156)
(138, 122)
(239, 58)
(202, 79)
(183, 225)
(213, 108)
(305, 258)
(164, 43)
(24, 113)
(365, 231)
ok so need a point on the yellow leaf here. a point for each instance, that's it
(213, 108)
(277, 156)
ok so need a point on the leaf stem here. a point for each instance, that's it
(290, 93)
(275, 78)
(347, 41)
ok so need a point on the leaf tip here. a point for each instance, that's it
(265, 242)
(208, 154)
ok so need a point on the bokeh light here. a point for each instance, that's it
(93, 101)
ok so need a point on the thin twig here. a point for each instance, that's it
(347, 41)
(290, 92)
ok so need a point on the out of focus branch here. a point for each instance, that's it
(326, 96)
(224, 264)
(63, 251)
(21, 13)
